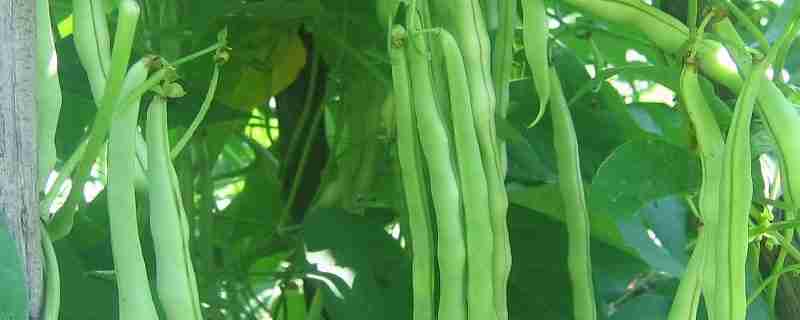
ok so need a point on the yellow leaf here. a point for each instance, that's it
(262, 65)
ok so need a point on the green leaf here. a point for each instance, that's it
(662, 122)
(84, 296)
(14, 295)
(639, 172)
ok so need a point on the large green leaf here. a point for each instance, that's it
(639, 172)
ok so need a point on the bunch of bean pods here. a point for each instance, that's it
(452, 162)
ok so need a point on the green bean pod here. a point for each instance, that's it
(736, 193)
(502, 67)
(175, 280)
(411, 168)
(92, 42)
(135, 301)
(534, 36)
(52, 285)
(446, 198)
(471, 175)
(735, 196)
(687, 298)
(783, 123)
(782, 120)
(576, 215)
(48, 93)
(700, 271)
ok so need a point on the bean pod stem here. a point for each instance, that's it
(534, 33)
(576, 215)
(48, 93)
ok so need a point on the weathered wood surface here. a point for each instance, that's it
(18, 197)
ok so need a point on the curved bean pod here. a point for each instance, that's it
(502, 66)
(576, 215)
(701, 269)
(135, 301)
(534, 31)
(175, 279)
(48, 93)
(52, 286)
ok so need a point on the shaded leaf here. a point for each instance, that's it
(14, 296)
(372, 271)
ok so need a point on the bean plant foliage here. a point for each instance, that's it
(293, 190)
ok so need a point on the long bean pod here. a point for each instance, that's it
(700, 271)
(52, 284)
(471, 173)
(502, 55)
(48, 93)
(783, 121)
(735, 195)
(175, 280)
(576, 214)
(687, 297)
(784, 124)
(436, 145)
(502, 67)
(534, 35)
(135, 301)
(411, 167)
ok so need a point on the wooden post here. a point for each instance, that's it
(18, 196)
